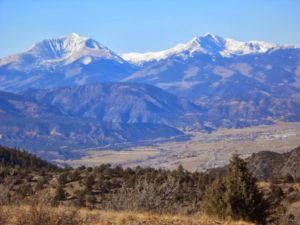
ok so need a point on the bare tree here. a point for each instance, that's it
(150, 196)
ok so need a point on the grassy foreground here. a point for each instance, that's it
(70, 215)
(106, 217)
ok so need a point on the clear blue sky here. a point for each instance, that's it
(144, 25)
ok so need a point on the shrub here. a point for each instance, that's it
(291, 189)
(39, 185)
(288, 178)
(277, 191)
(91, 199)
(28, 178)
(39, 211)
(89, 169)
(273, 179)
(42, 172)
(24, 190)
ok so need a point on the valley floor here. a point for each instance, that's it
(202, 151)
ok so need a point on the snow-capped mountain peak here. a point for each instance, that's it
(64, 61)
(63, 47)
(212, 37)
(63, 50)
(208, 44)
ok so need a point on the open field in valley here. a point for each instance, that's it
(202, 151)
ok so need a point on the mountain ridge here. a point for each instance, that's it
(52, 132)
(202, 72)
(225, 47)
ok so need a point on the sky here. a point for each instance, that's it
(144, 25)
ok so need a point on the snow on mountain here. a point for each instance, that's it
(208, 44)
(65, 61)
(73, 60)
(54, 51)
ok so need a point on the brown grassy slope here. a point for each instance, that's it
(105, 217)
(27, 215)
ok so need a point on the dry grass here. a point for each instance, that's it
(61, 215)
(131, 218)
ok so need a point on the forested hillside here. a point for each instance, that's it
(13, 157)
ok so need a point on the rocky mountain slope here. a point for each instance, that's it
(132, 102)
(124, 102)
(37, 126)
(253, 109)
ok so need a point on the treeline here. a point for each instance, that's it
(13, 157)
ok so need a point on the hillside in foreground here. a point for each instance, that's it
(33, 192)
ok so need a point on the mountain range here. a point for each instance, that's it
(208, 83)
(196, 69)
(207, 65)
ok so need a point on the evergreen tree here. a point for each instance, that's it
(237, 195)
(180, 170)
(62, 179)
(81, 201)
(60, 193)
(75, 175)
(89, 181)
